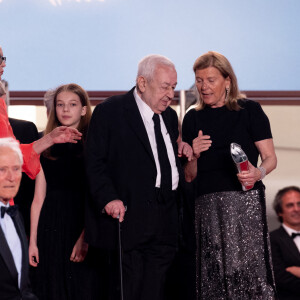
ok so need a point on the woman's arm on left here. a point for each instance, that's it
(62, 134)
(268, 163)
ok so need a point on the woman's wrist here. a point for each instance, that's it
(48, 140)
(263, 172)
(43, 143)
(196, 156)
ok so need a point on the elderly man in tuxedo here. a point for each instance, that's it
(285, 243)
(135, 175)
(14, 283)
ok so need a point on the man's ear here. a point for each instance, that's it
(141, 83)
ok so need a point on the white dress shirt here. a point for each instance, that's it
(289, 232)
(13, 240)
(147, 115)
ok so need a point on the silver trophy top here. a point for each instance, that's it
(237, 153)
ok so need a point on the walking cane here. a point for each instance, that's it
(120, 258)
(120, 261)
(120, 255)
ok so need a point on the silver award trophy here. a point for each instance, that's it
(241, 161)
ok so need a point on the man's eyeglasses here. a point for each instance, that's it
(2, 58)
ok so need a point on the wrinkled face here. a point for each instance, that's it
(159, 91)
(3, 64)
(69, 109)
(212, 86)
(10, 174)
(291, 209)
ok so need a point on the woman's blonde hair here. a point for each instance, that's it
(2, 89)
(220, 62)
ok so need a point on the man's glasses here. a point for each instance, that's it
(2, 58)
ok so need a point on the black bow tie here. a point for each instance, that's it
(294, 234)
(11, 210)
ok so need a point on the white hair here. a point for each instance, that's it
(49, 99)
(148, 65)
(14, 145)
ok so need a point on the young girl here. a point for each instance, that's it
(57, 246)
(31, 165)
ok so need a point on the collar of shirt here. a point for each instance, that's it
(289, 230)
(147, 114)
(145, 110)
(5, 205)
(2, 204)
(13, 240)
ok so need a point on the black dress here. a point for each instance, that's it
(233, 252)
(60, 225)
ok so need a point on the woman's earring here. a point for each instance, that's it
(227, 94)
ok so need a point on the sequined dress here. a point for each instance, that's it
(233, 254)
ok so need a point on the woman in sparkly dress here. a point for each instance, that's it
(233, 253)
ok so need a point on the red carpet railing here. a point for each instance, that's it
(183, 98)
(263, 97)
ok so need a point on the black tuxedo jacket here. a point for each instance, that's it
(120, 165)
(285, 254)
(26, 132)
(9, 288)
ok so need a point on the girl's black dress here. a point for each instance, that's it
(60, 225)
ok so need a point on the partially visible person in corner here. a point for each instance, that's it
(285, 243)
(26, 132)
(3, 94)
(14, 282)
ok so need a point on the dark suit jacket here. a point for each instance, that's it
(285, 254)
(26, 132)
(120, 165)
(8, 273)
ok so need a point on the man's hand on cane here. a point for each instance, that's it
(116, 209)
